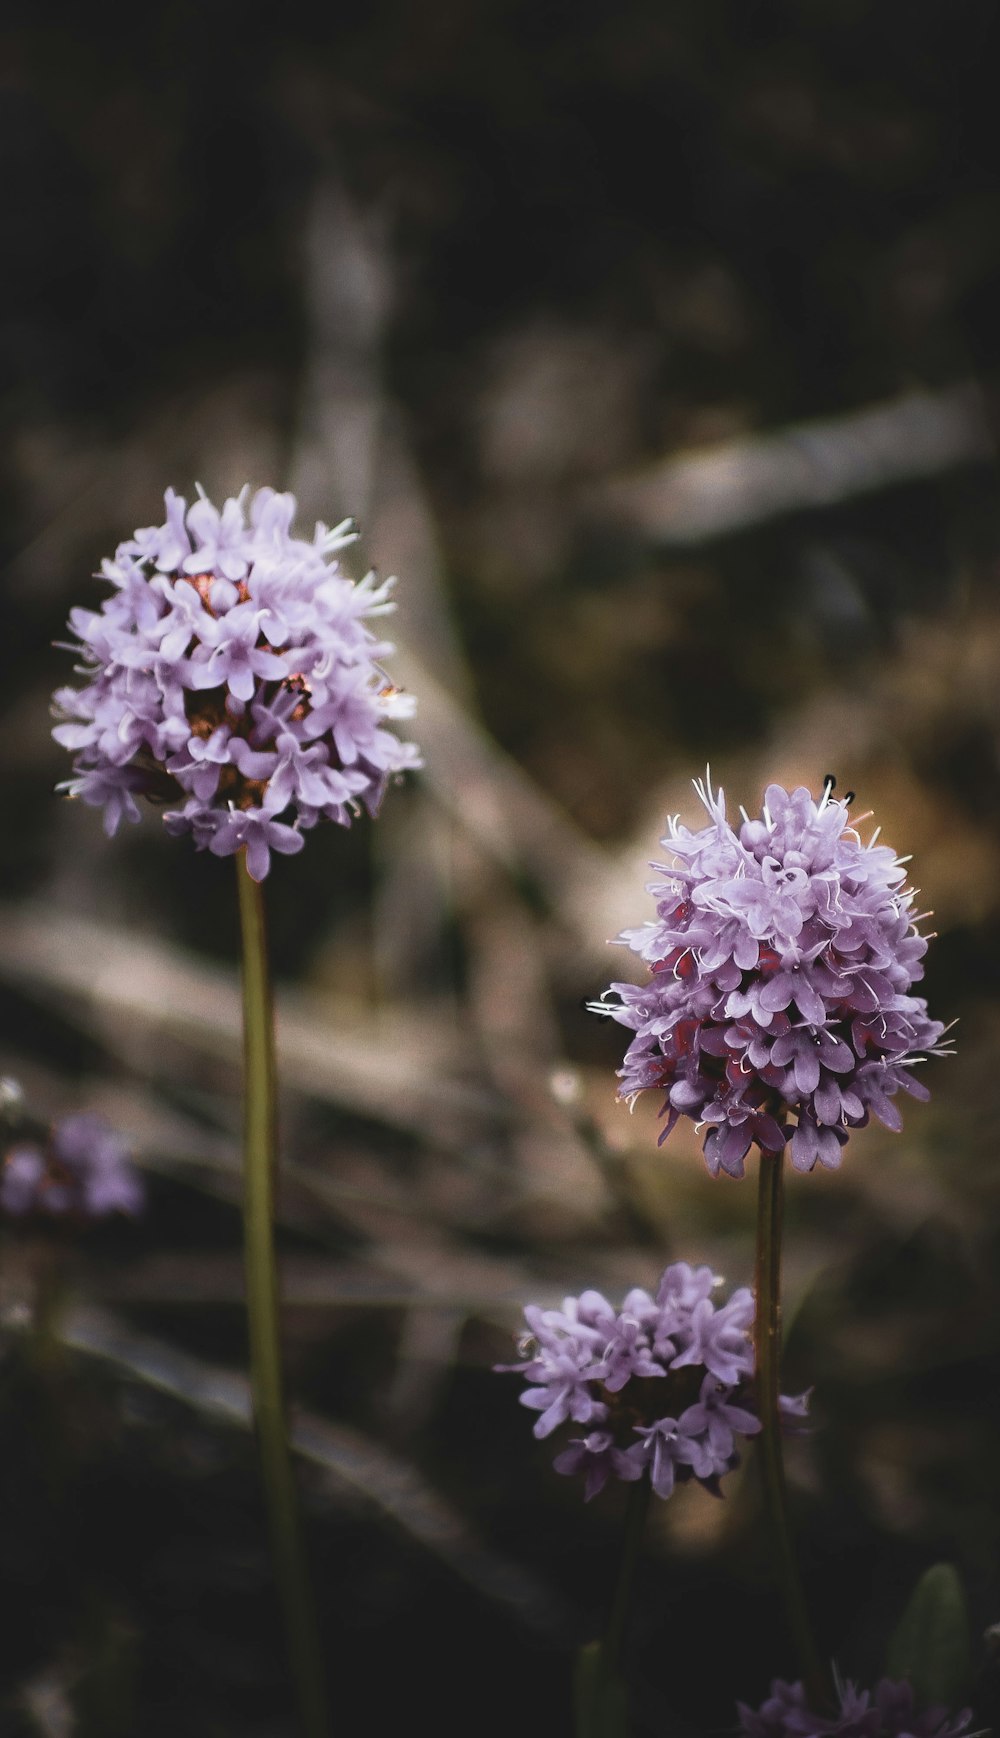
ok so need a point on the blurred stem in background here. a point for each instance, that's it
(635, 1523)
(47, 1257)
(600, 1693)
(266, 1377)
(767, 1348)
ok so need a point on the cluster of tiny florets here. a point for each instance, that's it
(231, 676)
(83, 1170)
(659, 1385)
(782, 958)
(888, 1711)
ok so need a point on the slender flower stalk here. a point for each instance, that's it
(266, 1374)
(232, 676)
(767, 1347)
(600, 1691)
(635, 1525)
(778, 1013)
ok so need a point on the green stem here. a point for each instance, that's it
(767, 1345)
(266, 1378)
(47, 1261)
(599, 1692)
(635, 1522)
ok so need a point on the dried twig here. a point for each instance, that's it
(723, 489)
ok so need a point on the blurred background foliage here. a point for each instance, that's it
(655, 347)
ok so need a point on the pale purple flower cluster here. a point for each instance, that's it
(658, 1385)
(782, 958)
(83, 1171)
(885, 1712)
(230, 674)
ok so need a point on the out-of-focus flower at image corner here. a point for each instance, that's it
(888, 1711)
(82, 1171)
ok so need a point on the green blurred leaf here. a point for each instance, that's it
(931, 1644)
(599, 1696)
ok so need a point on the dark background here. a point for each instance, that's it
(655, 347)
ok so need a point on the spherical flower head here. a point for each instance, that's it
(888, 1711)
(231, 676)
(782, 959)
(661, 1386)
(82, 1171)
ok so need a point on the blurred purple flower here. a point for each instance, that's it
(885, 1712)
(232, 675)
(22, 1181)
(782, 960)
(663, 1382)
(84, 1171)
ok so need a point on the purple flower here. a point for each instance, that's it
(565, 1395)
(111, 788)
(886, 1712)
(221, 538)
(720, 1338)
(231, 673)
(660, 1450)
(629, 1353)
(598, 1459)
(255, 830)
(83, 1171)
(782, 1714)
(711, 1426)
(663, 1383)
(793, 1413)
(22, 1183)
(778, 1008)
(234, 657)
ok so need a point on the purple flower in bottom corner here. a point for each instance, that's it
(888, 1711)
(783, 1714)
(82, 1171)
(664, 1383)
